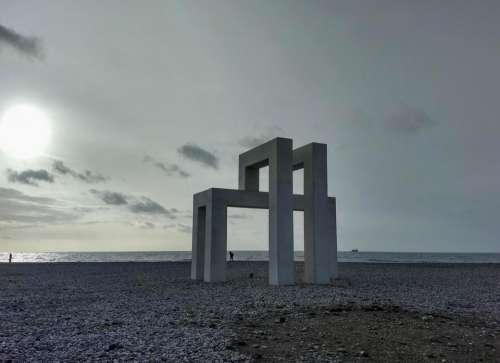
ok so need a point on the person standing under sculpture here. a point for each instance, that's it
(231, 256)
(10, 257)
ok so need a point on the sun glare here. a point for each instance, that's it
(24, 132)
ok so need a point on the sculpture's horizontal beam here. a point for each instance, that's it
(258, 156)
(245, 199)
(303, 153)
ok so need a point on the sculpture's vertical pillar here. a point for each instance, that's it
(320, 238)
(318, 257)
(281, 263)
(332, 225)
(198, 235)
(215, 240)
(248, 177)
(276, 153)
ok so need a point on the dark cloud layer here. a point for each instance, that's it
(169, 169)
(141, 205)
(146, 205)
(29, 46)
(29, 177)
(408, 119)
(200, 155)
(87, 176)
(111, 198)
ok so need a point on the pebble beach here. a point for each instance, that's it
(153, 312)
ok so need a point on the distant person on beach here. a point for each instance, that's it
(10, 257)
(231, 256)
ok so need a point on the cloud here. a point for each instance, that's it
(86, 210)
(148, 206)
(408, 119)
(169, 169)
(29, 177)
(148, 225)
(32, 177)
(256, 140)
(87, 176)
(142, 224)
(137, 205)
(18, 209)
(8, 193)
(180, 227)
(169, 225)
(29, 46)
(111, 198)
(196, 153)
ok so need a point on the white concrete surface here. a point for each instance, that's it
(320, 229)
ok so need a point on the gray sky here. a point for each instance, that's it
(150, 102)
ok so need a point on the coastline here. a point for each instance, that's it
(258, 255)
(151, 310)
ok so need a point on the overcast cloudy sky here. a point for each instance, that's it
(149, 102)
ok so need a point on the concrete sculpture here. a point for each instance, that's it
(320, 230)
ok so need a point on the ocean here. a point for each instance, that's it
(343, 256)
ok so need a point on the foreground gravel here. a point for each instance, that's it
(152, 311)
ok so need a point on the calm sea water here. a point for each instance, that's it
(374, 257)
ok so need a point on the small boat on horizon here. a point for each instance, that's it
(355, 250)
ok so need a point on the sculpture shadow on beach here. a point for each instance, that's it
(209, 248)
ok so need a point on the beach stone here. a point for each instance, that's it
(76, 312)
(114, 346)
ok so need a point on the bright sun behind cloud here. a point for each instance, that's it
(24, 132)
